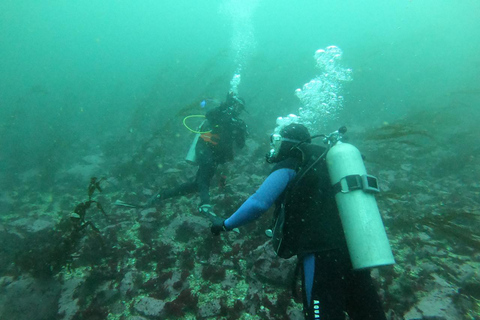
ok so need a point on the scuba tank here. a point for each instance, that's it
(206, 105)
(354, 193)
(191, 155)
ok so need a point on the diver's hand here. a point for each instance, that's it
(218, 225)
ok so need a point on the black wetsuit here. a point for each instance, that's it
(213, 148)
(313, 231)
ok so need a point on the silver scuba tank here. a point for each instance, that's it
(191, 155)
(364, 230)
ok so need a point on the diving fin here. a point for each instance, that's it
(121, 203)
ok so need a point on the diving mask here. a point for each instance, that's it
(276, 141)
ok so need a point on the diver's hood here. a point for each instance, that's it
(288, 133)
(281, 148)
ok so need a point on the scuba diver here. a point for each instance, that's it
(307, 224)
(213, 145)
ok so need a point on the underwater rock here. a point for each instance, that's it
(146, 214)
(197, 225)
(210, 309)
(150, 307)
(268, 267)
(10, 240)
(23, 223)
(230, 281)
(148, 192)
(127, 285)
(428, 250)
(105, 295)
(468, 272)
(67, 304)
(41, 224)
(213, 273)
(469, 280)
(5, 281)
(173, 285)
(29, 299)
(437, 304)
(294, 314)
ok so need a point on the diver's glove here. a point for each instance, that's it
(218, 225)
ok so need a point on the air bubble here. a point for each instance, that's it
(320, 97)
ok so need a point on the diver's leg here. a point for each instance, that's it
(307, 285)
(204, 177)
(363, 301)
(323, 286)
(181, 190)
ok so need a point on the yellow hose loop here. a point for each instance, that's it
(194, 116)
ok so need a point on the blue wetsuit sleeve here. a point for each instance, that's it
(262, 199)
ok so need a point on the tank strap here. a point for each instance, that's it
(352, 182)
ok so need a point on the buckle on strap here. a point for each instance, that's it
(365, 182)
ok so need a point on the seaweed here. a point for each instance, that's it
(186, 301)
(397, 131)
(458, 225)
(78, 216)
(55, 249)
(212, 273)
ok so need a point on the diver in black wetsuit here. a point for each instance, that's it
(300, 188)
(221, 131)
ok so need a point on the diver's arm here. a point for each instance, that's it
(262, 199)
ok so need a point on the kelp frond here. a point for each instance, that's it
(460, 225)
(397, 131)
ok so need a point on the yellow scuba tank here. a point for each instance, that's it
(364, 230)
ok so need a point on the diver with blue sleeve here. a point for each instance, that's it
(309, 224)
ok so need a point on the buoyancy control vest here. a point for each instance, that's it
(216, 138)
(306, 215)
